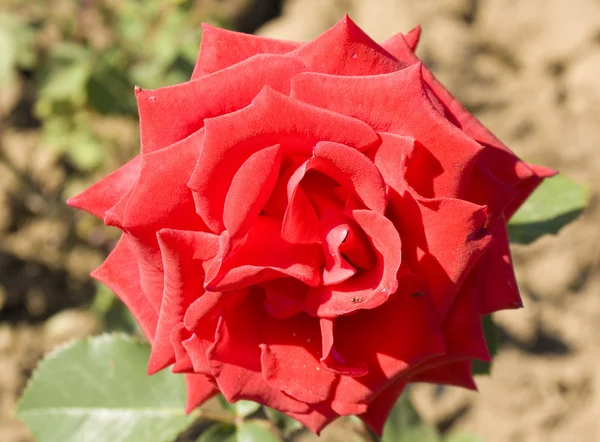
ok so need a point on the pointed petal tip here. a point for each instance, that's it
(412, 37)
(156, 363)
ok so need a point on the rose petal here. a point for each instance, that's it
(161, 199)
(221, 48)
(284, 297)
(397, 103)
(372, 288)
(362, 174)
(412, 37)
(250, 190)
(120, 273)
(102, 196)
(457, 373)
(318, 416)
(263, 256)
(183, 253)
(337, 269)
(442, 239)
(379, 410)
(503, 163)
(290, 359)
(235, 358)
(199, 390)
(345, 49)
(201, 319)
(402, 46)
(183, 363)
(412, 332)
(500, 285)
(462, 328)
(271, 119)
(170, 114)
(301, 222)
(332, 359)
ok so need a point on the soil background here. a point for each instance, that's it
(529, 69)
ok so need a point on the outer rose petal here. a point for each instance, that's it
(463, 332)
(316, 418)
(500, 285)
(412, 38)
(505, 165)
(120, 273)
(345, 49)
(102, 196)
(235, 357)
(164, 202)
(199, 390)
(183, 362)
(169, 114)
(379, 410)
(454, 373)
(271, 119)
(221, 48)
(183, 253)
(443, 239)
(397, 103)
(202, 318)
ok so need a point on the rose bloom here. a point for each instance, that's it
(312, 226)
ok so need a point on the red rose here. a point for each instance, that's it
(312, 226)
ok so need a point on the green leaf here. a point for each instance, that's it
(405, 425)
(255, 431)
(97, 390)
(218, 433)
(554, 204)
(282, 421)
(110, 92)
(245, 408)
(490, 332)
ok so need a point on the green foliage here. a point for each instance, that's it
(255, 431)
(96, 54)
(98, 390)
(405, 425)
(557, 202)
(284, 423)
(219, 433)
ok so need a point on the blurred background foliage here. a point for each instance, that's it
(85, 57)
